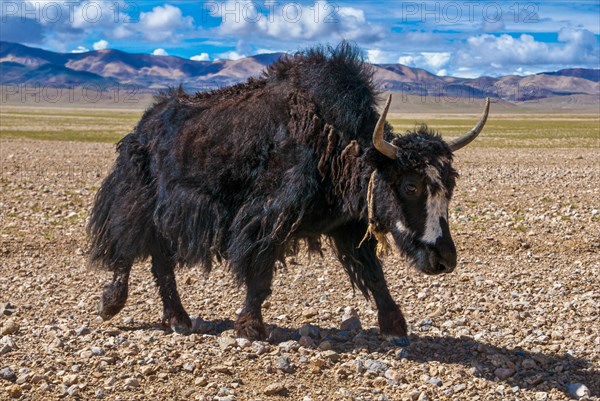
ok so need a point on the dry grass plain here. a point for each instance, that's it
(517, 320)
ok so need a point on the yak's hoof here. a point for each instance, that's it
(108, 310)
(397, 341)
(179, 323)
(250, 328)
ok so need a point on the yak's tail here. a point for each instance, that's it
(120, 224)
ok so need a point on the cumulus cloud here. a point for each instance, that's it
(160, 52)
(230, 55)
(291, 21)
(80, 49)
(114, 19)
(100, 45)
(376, 56)
(575, 47)
(201, 57)
(162, 21)
(433, 61)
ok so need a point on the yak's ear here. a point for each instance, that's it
(376, 159)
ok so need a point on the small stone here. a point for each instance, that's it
(8, 374)
(359, 366)
(309, 330)
(5, 349)
(131, 383)
(289, 346)
(273, 389)
(73, 390)
(379, 382)
(349, 312)
(97, 351)
(459, 387)
(9, 327)
(260, 347)
(325, 345)
(529, 364)
(375, 366)
(331, 355)
(147, 370)
(541, 396)
(69, 380)
(14, 391)
(99, 394)
(577, 390)
(393, 375)
(283, 363)
(82, 331)
(6, 309)
(222, 369)
(24, 378)
(311, 312)
(306, 342)
(351, 324)
(226, 342)
(243, 342)
(423, 397)
(436, 381)
(504, 373)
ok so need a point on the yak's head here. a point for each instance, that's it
(412, 189)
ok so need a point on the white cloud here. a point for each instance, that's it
(575, 47)
(80, 49)
(160, 52)
(434, 61)
(323, 21)
(160, 23)
(376, 56)
(201, 57)
(100, 45)
(231, 55)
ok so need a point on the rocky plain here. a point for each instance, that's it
(517, 320)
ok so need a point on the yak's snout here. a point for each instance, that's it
(443, 256)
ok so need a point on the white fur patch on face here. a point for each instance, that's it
(437, 207)
(401, 227)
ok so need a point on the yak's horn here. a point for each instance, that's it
(381, 144)
(469, 136)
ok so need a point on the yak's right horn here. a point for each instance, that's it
(466, 139)
(381, 144)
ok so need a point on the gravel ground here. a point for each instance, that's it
(517, 320)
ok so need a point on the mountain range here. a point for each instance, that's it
(21, 64)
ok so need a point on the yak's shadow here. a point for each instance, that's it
(549, 370)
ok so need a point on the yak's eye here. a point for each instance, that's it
(411, 189)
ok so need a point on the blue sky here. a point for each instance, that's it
(460, 38)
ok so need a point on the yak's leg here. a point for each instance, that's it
(366, 272)
(174, 315)
(249, 323)
(114, 295)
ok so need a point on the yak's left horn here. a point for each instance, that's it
(469, 136)
(381, 144)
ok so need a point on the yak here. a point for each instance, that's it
(250, 173)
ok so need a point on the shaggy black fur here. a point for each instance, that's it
(243, 173)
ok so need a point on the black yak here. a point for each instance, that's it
(247, 172)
